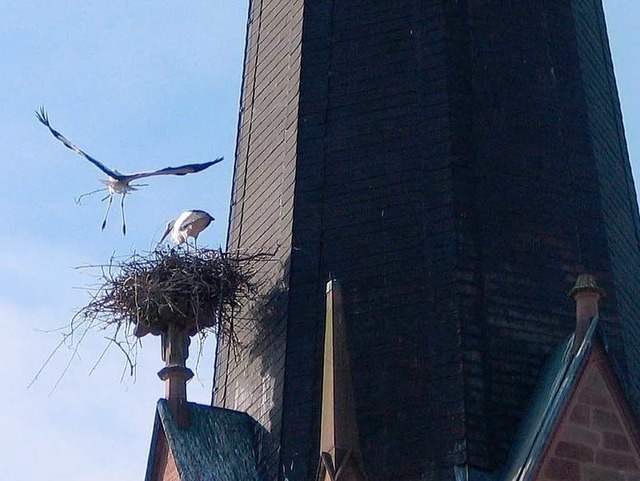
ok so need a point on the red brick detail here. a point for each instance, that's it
(171, 470)
(596, 437)
(594, 380)
(579, 452)
(594, 398)
(616, 460)
(607, 421)
(596, 473)
(164, 467)
(617, 442)
(581, 414)
(578, 434)
(562, 470)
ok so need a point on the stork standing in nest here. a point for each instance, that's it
(188, 224)
(118, 183)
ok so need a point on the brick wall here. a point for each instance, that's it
(596, 438)
(374, 208)
(526, 202)
(616, 190)
(164, 468)
(250, 373)
(436, 157)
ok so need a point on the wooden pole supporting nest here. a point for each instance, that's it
(175, 374)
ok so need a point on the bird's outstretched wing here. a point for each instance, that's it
(181, 170)
(44, 118)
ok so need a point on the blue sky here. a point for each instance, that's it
(138, 85)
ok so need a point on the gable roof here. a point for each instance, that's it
(559, 380)
(219, 444)
(553, 389)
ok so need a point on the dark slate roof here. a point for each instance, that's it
(219, 444)
(553, 389)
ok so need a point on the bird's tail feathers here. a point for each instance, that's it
(124, 188)
(42, 116)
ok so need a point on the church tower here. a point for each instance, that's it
(456, 164)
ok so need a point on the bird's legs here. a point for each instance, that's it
(124, 225)
(104, 222)
(79, 199)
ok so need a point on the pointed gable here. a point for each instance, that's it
(218, 445)
(163, 465)
(579, 425)
(596, 437)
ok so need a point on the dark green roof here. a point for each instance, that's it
(556, 383)
(219, 444)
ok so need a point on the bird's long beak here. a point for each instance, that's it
(166, 231)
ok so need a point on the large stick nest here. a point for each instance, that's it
(199, 290)
(196, 290)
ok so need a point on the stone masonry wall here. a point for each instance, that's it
(596, 439)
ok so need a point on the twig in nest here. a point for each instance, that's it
(145, 293)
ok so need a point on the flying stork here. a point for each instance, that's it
(116, 182)
(188, 224)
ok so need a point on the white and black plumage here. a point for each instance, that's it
(188, 224)
(116, 182)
